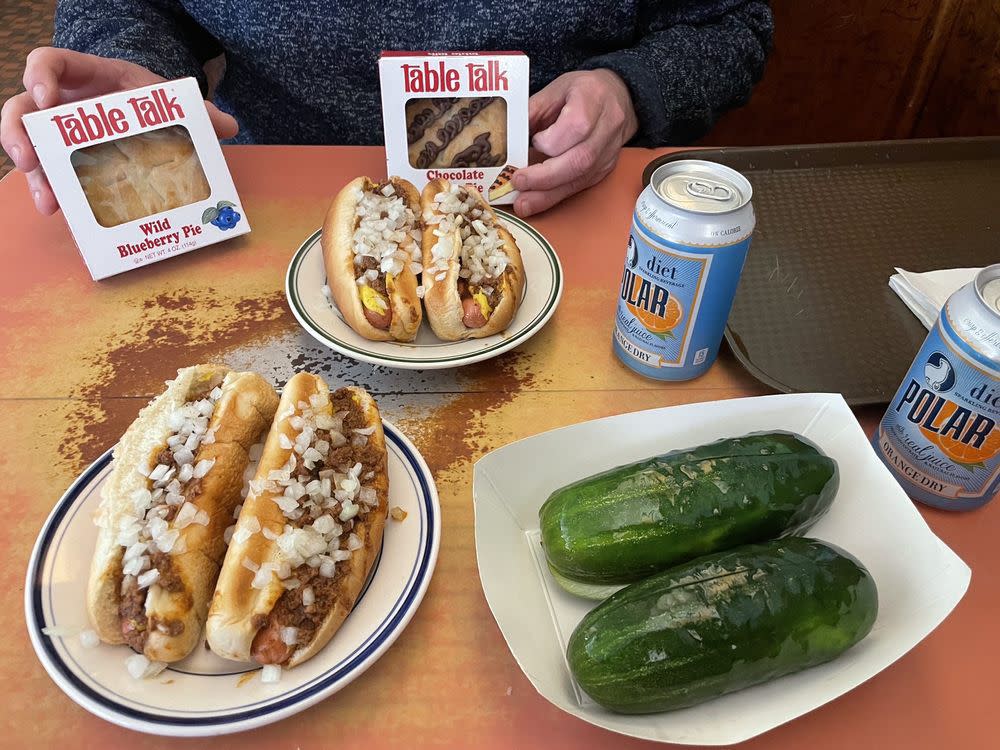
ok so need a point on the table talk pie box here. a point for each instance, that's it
(139, 175)
(461, 116)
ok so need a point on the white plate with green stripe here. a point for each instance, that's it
(321, 319)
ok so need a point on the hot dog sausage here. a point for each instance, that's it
(268, 648)
(379, 320)
(472, 315)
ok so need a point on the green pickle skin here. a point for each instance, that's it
(623, 524)
(721, 623)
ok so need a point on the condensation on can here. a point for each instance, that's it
(691, 230)
(940, 436)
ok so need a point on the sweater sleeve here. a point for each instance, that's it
(692, 62)
(156, 34)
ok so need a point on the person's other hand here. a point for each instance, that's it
(55, 76)
(580, 122)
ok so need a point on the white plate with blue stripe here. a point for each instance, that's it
(205, 694)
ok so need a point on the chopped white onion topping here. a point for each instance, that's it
(183, 456)
(368, 495)
(270, 673)
(263, 577)
(308, 596)
(89, 638)
(325, 524)
(324, 498)
(142, 668)
(202, 467)
(482, 255)
(289, 636)
(250, 564)
(136, 565)
(159, 472)
(148, 578)
(60, 631)
(166, 541)
(148, 528)
(384, 233)
(134, 551)
(185, 515)
(327, 422)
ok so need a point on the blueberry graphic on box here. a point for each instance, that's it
(223, 215)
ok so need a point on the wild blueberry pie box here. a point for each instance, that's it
(139, 175)
(462, 116)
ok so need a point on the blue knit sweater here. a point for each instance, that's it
(305, 71)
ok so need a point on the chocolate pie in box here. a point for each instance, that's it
(139, 175)
(461, 116)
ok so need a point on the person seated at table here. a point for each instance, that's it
(605, 73)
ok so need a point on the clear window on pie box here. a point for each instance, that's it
(140, 175)
(451, 132)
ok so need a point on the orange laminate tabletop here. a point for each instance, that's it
(79, 358)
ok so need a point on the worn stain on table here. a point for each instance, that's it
(172, 331)
(191, 325)
(458, 431)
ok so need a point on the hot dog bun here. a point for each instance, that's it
(243, 409)
(340, 240)
(442, 300)
(241, 610)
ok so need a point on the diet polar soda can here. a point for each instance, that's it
(690, 235)
(939, 436)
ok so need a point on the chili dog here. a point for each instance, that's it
(371, 250)
(473, 275)
(177, 476)
(309, 529)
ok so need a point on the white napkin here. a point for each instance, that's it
(926, 293)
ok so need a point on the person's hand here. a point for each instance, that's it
(57, 76)
(580, 122)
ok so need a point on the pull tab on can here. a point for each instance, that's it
(701, 187)
(714, 192)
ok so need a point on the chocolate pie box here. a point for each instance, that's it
(139, 175)
(462, 116)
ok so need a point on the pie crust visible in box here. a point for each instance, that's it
(457, 132)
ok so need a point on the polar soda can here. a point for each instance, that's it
(939, 437)
(690, 235)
